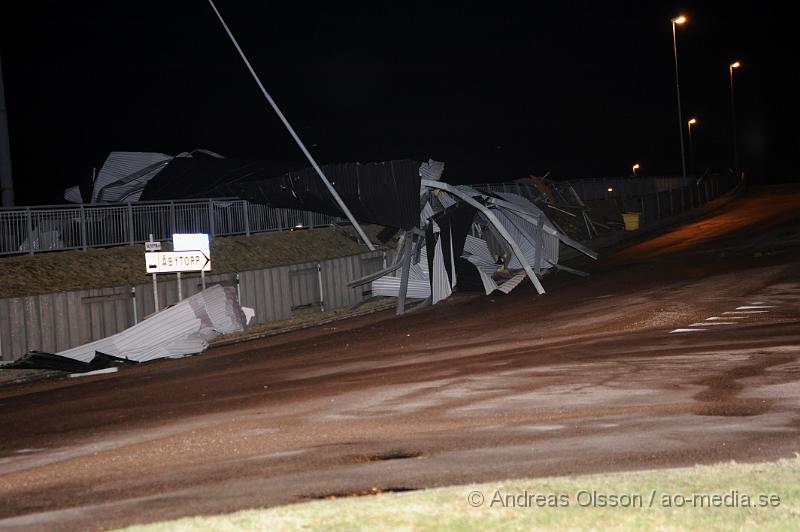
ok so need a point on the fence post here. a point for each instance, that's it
(246, 208)
(172, 217)
(29, 219)
(211, 217)
(83, 228)
(130, 224)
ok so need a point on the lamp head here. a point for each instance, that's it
(679, 19)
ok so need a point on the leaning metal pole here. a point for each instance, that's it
(299, 142)
(6, 181)
(678, 89)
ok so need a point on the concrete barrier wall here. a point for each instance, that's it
(58, 321)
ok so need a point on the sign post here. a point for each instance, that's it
(192, 241)
(153, 245)
(190, 255)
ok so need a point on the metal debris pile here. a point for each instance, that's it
(476, 240)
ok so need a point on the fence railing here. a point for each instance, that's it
(654, 197)
(60, 227)
(50, 228)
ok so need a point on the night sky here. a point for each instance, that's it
(576, 89)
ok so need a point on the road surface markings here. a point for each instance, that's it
(754, 307)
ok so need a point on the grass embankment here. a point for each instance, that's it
(698, 498)
(60, 271)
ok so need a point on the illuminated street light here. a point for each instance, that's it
(692, 121)
(735, 64)
(679, 20)
(635, 167)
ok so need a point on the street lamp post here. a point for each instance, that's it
(692, 121)
(735, 64)
(679, 20)
(634, 168)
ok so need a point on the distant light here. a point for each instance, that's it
(610, 189)
(679, 20)
(693, 121)
(298, 226)
(736, 64)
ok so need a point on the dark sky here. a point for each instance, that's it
(581, 89)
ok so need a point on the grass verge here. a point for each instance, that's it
(720, 497)
(58, 271)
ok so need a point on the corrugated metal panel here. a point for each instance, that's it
(431, 170)
(512, 283)
(390, 286)
(73, 194)
(179, 330)
(524, 233)
(121, 164)
(427, 212)
(454, 279)
(304, 285)
(466, 189)
(478, 247)
(129, 188)
(439, 278)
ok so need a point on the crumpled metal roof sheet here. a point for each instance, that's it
(122, 164)
(182, 329)
(439, 280)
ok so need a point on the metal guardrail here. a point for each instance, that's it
(61, 227)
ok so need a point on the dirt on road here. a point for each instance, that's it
(677, 350)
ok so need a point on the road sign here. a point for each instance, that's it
(177, 261)
(190, 241)
(152, 246)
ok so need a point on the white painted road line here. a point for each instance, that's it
(706, 324)
(686, 330)
(746, 312)
(714, 318)
(752, 307)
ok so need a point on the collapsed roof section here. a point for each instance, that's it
(384, 193)
(470, 239)
(125, 174)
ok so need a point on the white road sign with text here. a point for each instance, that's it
(177, 261)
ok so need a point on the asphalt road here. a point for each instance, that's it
(587, 378)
